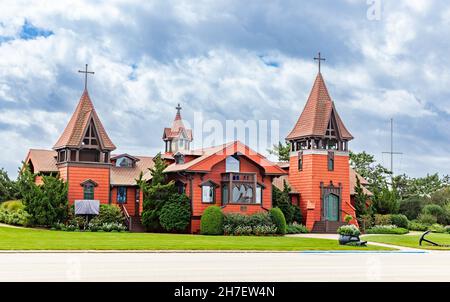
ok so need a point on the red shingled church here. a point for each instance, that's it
(230, 175)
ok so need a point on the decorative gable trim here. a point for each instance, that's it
(88, 181)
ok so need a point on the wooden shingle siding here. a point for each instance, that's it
(307, 182)
(76, 175)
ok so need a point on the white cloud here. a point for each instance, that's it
(391, 103)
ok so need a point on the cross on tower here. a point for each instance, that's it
(85, 75)
(178, 108)
(320, 59)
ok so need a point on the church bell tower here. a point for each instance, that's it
(319, 160)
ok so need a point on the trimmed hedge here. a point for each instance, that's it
(387, 229)
(259, 224)
(211, 222)
(295, 228)
(278, 219)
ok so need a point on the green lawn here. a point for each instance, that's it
(35, 239)
(411, 240)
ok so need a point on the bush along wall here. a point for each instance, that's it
(110, 219)
(211, 222)
(13, 212)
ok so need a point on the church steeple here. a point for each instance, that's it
(319, 125)
(84, 138)
(177, 138)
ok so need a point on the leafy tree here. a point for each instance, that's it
(8, 188)
(281, 151)
(282, 200)
(361, 200)
(156, 194)
(436, 211)
(365, 165)
(386, 201)
(422, 186)
(47, 204)
(412, 206)
(440, 197)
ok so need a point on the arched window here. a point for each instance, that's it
(232, 164)
(88, 191)
(208, 192)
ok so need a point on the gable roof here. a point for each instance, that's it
(211, 156)
(318, 110)
(126, 176)
(76, 128)
(42, 160)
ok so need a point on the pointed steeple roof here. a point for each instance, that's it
(318, 111)
(80, 120)
(177, 127)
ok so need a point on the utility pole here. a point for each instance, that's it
(392, 152)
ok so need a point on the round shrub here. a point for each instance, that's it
(399, 220)
(278, 219)
(13, 205)
(211, 222)
(447, 229)
(175, 215)
(382, 219)
(415, 225)
(437, 228)
(412, 206)
(427, 219)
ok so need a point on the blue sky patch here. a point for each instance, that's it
(29, 31)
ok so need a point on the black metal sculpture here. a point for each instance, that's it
(422, 238)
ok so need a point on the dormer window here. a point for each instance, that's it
(124, 162)
(179, 158)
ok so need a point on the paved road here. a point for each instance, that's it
(399, 266)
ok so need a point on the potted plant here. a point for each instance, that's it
(348, 234)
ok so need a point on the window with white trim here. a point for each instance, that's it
(208, 193)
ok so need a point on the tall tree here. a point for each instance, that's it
(156, 194)
(8, 188)
(281, 151)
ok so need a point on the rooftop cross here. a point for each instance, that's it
(85, 75)
(320, 59)
(178, 108)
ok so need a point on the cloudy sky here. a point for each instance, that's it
(229, 60)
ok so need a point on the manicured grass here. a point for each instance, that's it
(411, 240)
(34, 239)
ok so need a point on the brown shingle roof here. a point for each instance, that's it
(75, 129)
(362, 180)
(42, 160)
(317, 112)
(126, 176)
